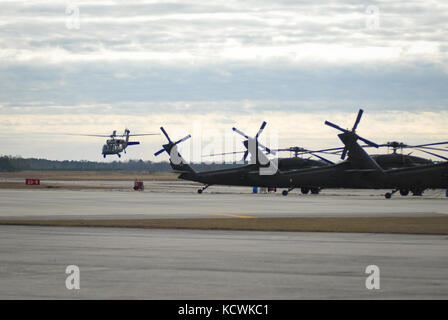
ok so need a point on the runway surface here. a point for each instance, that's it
(191, 264)
(98, 204)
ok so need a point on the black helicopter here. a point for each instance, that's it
(283, 164)
(246, 175)
(295, 162)
(361, 171)
(117, 144)
(395, 159)
(385, 161)
(399, 172)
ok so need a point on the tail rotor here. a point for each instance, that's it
(250, 139)
(352, 133)
(170, 145)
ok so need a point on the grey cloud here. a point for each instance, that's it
(408, 88)
(281, 79)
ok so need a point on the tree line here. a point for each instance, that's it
(12, 164)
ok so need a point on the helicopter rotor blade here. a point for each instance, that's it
(246, 143)
(322, 158)
(183, 139)
(269, 151)
(373, 144)
(222, 154)
(358, 118)
(430, 144)
(261, 129)
(434, 154)
(159, 152)
(428, 148)
(326, 150)
(328, 123)
(246, 153)
(166, 134)
(87, 135)
(344, 153)
(240, 132)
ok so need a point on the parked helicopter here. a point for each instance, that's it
(395, 159)
(285, 164)
(385, 161)
(361, 171)
(118, 144)
(247, 175)
(415, 178)
(400, 172)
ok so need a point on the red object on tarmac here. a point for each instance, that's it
(32, 182)
(138, 185)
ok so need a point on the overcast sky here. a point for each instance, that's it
(202, 67)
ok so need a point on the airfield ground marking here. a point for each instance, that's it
(233, 215)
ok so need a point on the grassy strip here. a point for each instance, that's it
(91, 175)
(60, 186)
(404, 225)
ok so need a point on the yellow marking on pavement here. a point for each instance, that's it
(233, 215)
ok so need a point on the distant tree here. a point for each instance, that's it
(6, 165)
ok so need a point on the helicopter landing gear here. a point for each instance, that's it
(104, 156)
(404, 192)
(304, 190)
(388, 195)
(315, 190)
(203, 188)
(119, 155)
(285, 192)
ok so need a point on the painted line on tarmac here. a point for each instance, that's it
(233, 215)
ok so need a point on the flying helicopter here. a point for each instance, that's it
(117, 143)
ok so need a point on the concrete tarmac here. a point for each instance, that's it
(97, 204)
(191, 264)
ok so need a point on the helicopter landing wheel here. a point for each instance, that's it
(404, 192)
(388, 195)
(203, 188)
(104, 156)
(285, 193)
